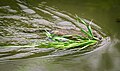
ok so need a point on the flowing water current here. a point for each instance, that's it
(23, 23)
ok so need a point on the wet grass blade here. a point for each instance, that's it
(80, 19)
(90, 29)
(83, 30)
(49, 35)
(68, 45)
(90, 44)
(81, 37)
(89, 33)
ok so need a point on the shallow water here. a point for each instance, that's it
(23, 22)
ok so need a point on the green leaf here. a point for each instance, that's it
(90, 34)
(48, 34)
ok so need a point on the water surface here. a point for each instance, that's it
(23, 22)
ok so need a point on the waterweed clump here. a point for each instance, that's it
(64, 42)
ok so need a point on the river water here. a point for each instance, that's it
(23, 22)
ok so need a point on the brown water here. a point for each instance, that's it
(23, 22)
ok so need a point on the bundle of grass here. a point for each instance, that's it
(65, 42)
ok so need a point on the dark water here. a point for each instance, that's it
(23, 22)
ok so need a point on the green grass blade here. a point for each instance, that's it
(83, 30)
(94, 42)
(90, 29)
(67, 45)
(80, 19)
(90, 34)
(48, 34)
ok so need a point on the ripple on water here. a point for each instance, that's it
(27, 25)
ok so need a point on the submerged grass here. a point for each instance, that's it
(68, 44)
(62, 42)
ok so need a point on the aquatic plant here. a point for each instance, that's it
(63, 42)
